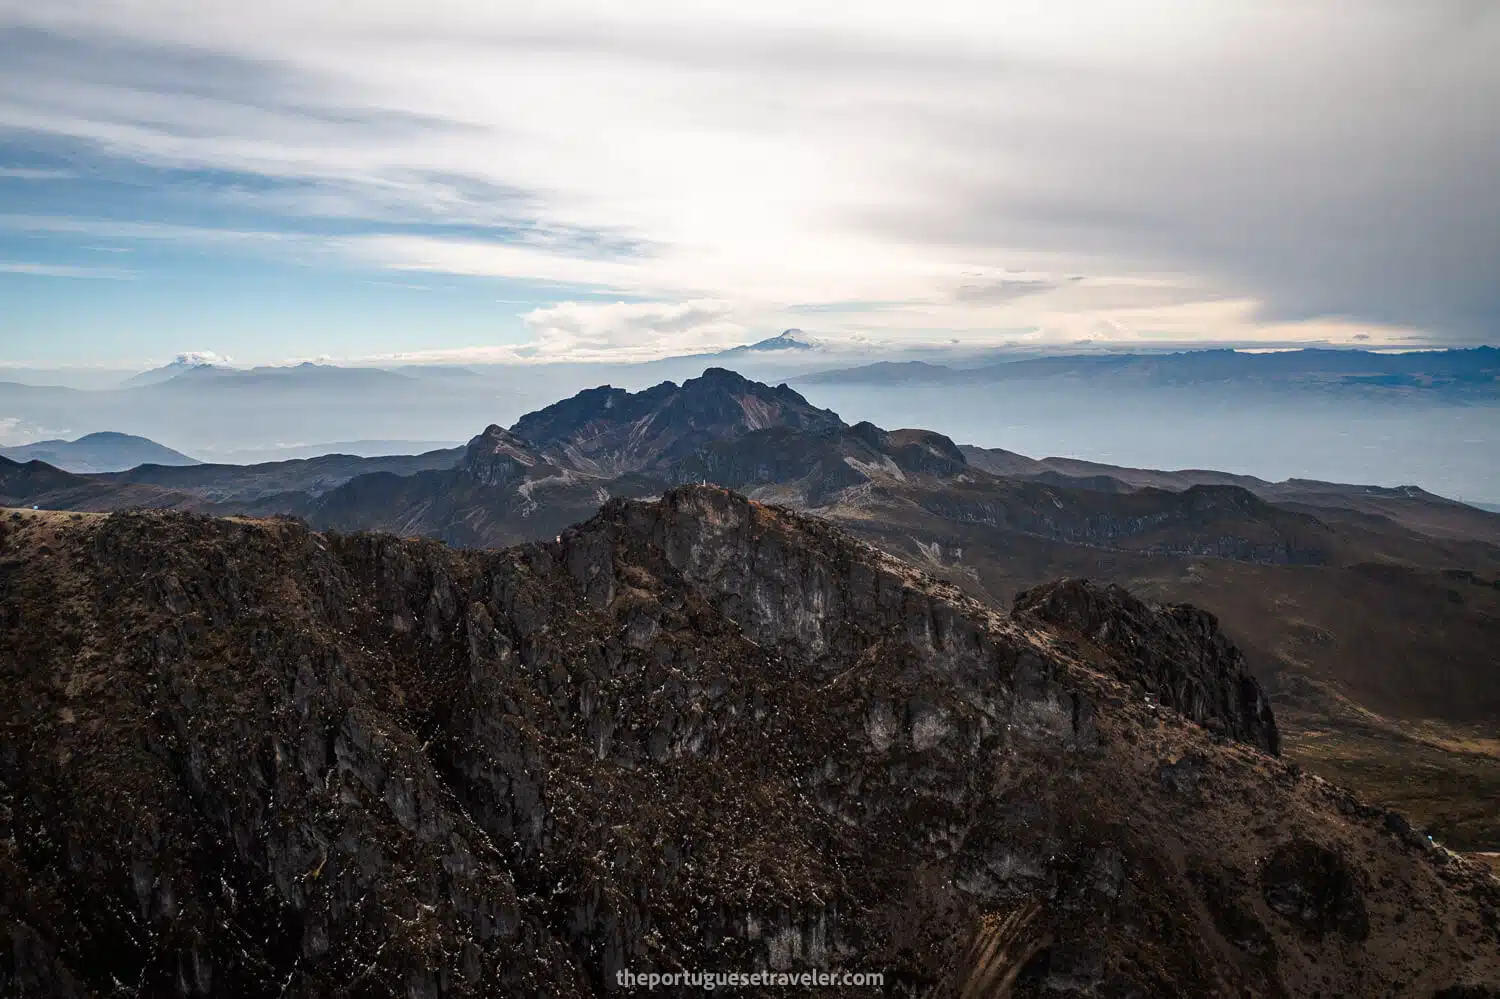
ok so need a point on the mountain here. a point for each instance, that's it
(1408, 506)
(884, 373)
(306, 375)
(1468, 374)
(610, 431)
(1371, 615)
(786, 340)
(557, 465)
(192, 362)
(244, 759)
(359, 449)
(310, 476)
(100, 452)
(440, 371)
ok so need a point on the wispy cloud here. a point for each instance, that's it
(578, 331)
(126, 230)
(971, 170)
(32, 173)
(66, 271)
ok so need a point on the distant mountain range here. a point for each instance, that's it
(206, 408)
(183, 364)
(1469, 373)
(719, 427)
(1409, 505)
(305, 375)
(100, 452)
(359, 449)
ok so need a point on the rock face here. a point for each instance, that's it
(1315, 889)
(244, 759)
(1175, 652)
(498, 457)
(610, 431)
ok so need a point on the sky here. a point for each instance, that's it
(464, 180)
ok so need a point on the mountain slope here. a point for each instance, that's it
(1409, 506)
(244, 759)
(100, 452)
(1472, 373)
(312, 476)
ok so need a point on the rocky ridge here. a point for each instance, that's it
(243, 758)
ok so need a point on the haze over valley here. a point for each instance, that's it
(1426, 419)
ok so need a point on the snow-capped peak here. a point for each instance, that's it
(792, 339)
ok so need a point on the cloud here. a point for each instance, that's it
(580, 331)
(1010, 287)
(31, 173)
(612, 332)
(199, 357)
(1235, 170)
(478, 258)
(117, 229)
(66, 271)
(474, 354)
(15, 431)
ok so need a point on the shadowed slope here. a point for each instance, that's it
(245, 759)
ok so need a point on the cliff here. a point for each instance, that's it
(240, 758)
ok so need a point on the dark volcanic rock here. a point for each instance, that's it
(1176, 651)
(245, 759)
(1316, 889)
(611, 431)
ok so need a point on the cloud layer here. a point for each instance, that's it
(1146, 170)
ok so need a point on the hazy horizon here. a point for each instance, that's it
(582, 193)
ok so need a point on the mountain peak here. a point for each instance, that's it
(725, 376)
(792, 339)
(607, 430)
(185, 363)
(103, 451)
(498, 457)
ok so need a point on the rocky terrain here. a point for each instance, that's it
(1371, 615)
(240, 758)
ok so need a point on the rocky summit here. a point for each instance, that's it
(241, 758)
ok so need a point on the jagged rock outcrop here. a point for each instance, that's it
(246, 759)
(609, 431)
(1175, 652)
(499, 458)
(559, 464)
